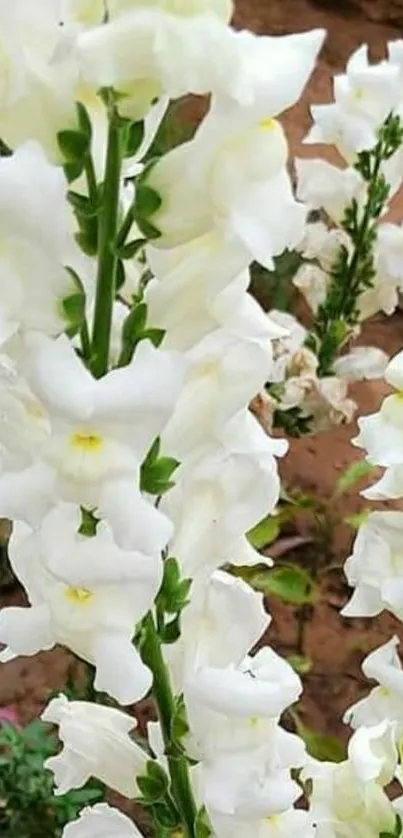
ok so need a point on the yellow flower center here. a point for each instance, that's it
(87, 442)
(78, 596)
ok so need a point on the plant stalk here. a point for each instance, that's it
(107, 259)
(178, 767)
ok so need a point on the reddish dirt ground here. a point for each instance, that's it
(336, 646)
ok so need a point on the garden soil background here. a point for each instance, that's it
(335, 646)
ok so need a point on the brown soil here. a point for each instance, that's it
(336, 646)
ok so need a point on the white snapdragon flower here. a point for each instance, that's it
(375, 568)
(100, 433)
(293, 822)
(101, 821)
(208, 617)
(222, 495)
(231, 179)
(288, 345)
(96, 744)
(364, 97)
(252, 782)
(323, 244)
(35, 244)
(155, 47)
(324, 186)
(199, 290)
(263, 685)
(347, 798)
(84, 593)
(24, 425)
(388, 281)
(386, 700)
(313, 283)
(362, 363)
(35, 102)
(381, 434)
(225, 371)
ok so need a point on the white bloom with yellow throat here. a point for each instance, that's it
(100, 432)
(84, 593)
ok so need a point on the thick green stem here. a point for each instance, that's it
(107, 259)
(178, 767)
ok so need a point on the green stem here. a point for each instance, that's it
(178, 767)
(85, 341)
(335, 328)
(107, 259)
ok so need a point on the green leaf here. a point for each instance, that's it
(203, 827)
(148, 201)
(155, 336)
(82, 205)
(290, 583)
(74, 306)
(149, 231)
(171, 632)
(74, 145)
(353, 474)
(156, 472)
(87, 237)
(173, 595)
(134, 324)
(355, 521)
(264, 533)
(73, 170)
(166, 815)
(154, 784)
(129, 250)
(300, 663)
(84, 121)
(320, 746)
(134, 138)
(179, 723)
(89, 523)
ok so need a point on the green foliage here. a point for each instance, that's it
(154, 784)
(179, 723)
(320, 746)
(397, 832)
(135, 330)
(203, 828)
(294, 422)
(291, 583)
(300, 663)
(28, 807)
(353, 474)
(274, 289)
(74, 306)
(173, 595)
(265, 532)
(353, 273)
(156, 472)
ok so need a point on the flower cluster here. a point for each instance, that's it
(131, 466)
(351, 258)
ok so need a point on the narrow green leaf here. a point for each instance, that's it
(352, 475)
(74, 145)
(84, 120)
(148, 201)
(264, 533)
(134, 138)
